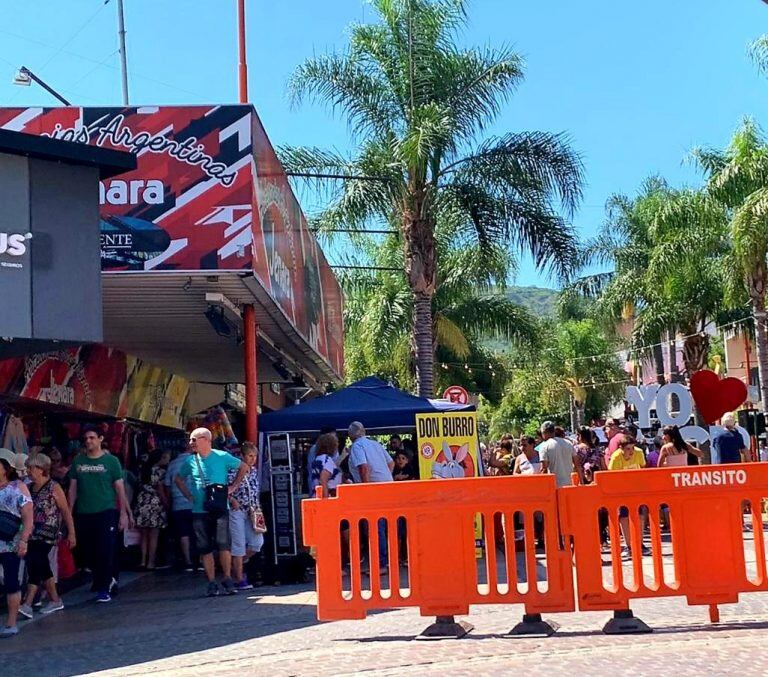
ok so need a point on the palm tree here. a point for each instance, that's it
(470, 310)
(417, 104)
(738, 178)
(667, 247)
(624, 243)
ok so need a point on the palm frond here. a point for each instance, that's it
(758, 53)
(525, 163)
(342, 83)
(451, 337)
(494, 317)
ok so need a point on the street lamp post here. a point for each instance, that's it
(24, 77)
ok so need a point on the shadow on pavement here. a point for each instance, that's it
(157, 616)
(670, 629)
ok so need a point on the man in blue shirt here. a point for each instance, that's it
(369, 462)
(181, 509)
(204, 467)
(728, 444)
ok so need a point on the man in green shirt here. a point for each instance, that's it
(96, 496)
(206, 466)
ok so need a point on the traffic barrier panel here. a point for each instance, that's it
(430, 554)
(702, 558)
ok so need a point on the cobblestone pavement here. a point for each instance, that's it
(161, 624)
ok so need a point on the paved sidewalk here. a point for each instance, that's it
(161, 625)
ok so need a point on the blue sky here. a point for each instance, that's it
(635, 84)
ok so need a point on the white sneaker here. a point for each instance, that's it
(51, 607)
(9, 631)
(26, 610)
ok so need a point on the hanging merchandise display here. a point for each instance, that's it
(98, 379)
(217, 421)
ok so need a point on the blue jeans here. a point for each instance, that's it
(383, 543)
(365, 541)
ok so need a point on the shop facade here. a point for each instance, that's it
(215, 300)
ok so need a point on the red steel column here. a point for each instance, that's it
(251, 385)
(242, 68)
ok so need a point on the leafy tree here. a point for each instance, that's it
(417, 105)
(563, 382)
(581, 367)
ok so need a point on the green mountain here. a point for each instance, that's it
(540, 301)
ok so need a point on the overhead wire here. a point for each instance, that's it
(481, 366)
(39, 69)
(89, 59)
(73, 36)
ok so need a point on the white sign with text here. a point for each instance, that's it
(647, 397)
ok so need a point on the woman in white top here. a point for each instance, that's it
(675, 450)
(15, 530)
(528, 462)
(325, 469)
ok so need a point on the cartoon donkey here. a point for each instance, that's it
(450, 467)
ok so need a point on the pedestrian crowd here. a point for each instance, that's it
(608, 446)
(205, 505)
(203, 501)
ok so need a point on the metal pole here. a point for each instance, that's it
(752, 438)
(242, 68)
(123, 57)
(250, 367)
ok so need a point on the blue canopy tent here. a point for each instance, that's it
(376, 404)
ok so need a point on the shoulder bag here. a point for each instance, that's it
(215, 496)
(255, 515)
(9, 526)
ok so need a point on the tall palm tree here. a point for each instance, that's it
(738, 178)
(417, 104)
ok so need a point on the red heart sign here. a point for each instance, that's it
(715, 396)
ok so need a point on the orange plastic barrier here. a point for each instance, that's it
(431, 558)
(701, 558)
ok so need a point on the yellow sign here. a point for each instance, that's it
(447, 445)
(448, 449)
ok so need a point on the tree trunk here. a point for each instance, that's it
(423, 345)
(421, 269)
(658, 361)
(674, 374)
(695, 352)
(574, 419)
(579, 411)
(761, 347)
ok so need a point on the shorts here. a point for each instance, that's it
(38, 564)
(10, 562)
(181, 524)
(243, 536)
(211, 533)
